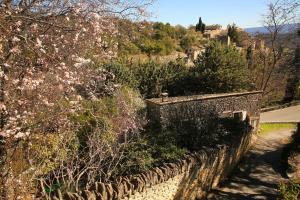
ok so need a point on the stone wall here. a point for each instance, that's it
(194, 175)
(173, 111)
(189, 178)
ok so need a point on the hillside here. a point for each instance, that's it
(155, 38)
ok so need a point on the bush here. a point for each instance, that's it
(289, 156)
(289, 191)
(222, 68)
(150, 78)
(93, 150)
(151, 149)
(219, 69)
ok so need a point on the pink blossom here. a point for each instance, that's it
(38, 43)
(15, 50)
(20, 135)
(18, 23)
(34, 26)
(16, 39)
(4, 134)
(2, 106)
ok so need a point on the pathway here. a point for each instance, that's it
(259, 172)
(290, 114)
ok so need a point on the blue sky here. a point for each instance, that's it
(245, 13)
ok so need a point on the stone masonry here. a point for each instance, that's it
(195, 174)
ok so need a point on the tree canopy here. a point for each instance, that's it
(222, 68)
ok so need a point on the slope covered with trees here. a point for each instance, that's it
(155, 38)
(71, 90)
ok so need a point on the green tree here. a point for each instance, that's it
(234, 33)
(200, 26)
(221, 68)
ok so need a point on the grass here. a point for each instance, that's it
(269, 127)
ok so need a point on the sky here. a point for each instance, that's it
(245, 13)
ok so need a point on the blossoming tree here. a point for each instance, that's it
(47, 51)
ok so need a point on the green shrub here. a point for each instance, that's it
(150, 78)
(152, 148)
(289, 191)
(49, 150)
(222, 68)
(124, 73)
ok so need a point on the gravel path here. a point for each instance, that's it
(259, 173)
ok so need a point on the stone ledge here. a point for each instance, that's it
(172, 100)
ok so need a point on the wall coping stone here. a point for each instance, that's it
(173, 100)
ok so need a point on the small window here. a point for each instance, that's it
(240, 115)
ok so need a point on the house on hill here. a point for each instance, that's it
(213, 31)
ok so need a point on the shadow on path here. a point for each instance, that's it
(259, 172)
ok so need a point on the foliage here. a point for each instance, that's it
(220, 69)
(97, 148)
(289, 191)
(154, 78)
(234, 33)
(46, 52)
(289, 155)
(150, 38)
(200, 26)
(150, 78)
(151, 149)
(188, 41)
(124, 73)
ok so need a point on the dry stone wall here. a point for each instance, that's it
(172, 111)
(189, 178)
(194, 175)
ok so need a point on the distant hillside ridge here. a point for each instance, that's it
(261, 30)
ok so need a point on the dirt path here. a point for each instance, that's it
(259, 172)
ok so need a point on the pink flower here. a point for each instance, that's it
(16, 39)
(2, 106)
(34, 26)
(19, 135)
(3, 134)
(38, 43)
(18, 23)
(15, 50)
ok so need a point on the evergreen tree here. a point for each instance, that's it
(200, 26)
(233, 33)
(222, 68)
